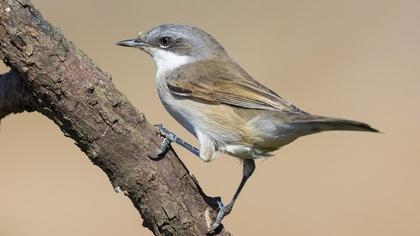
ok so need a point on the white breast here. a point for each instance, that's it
(166, 62)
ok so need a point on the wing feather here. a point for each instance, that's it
(224, 82)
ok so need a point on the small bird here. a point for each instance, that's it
(217, 101)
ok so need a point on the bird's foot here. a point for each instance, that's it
(168, 136)
(223, 211)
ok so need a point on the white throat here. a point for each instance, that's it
(168, 61)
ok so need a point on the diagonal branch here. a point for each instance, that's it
(67, 87)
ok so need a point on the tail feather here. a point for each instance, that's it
(313, 124)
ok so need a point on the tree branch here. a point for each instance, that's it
(67, 87)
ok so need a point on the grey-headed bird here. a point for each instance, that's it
(217, 101)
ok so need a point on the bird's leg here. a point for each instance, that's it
(171, 137)
(248, 169)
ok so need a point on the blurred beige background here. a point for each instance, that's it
(354, 59)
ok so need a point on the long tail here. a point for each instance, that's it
(313, 124)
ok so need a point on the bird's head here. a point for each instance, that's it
(171, 45)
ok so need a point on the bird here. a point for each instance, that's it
(217, 101)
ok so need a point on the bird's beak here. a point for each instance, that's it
(136, 43)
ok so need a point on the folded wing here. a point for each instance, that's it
(224, 82)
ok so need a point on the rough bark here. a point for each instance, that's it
(60, 81)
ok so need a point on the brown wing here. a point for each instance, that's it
(225, 82)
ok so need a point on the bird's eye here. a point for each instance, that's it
(165, 42)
